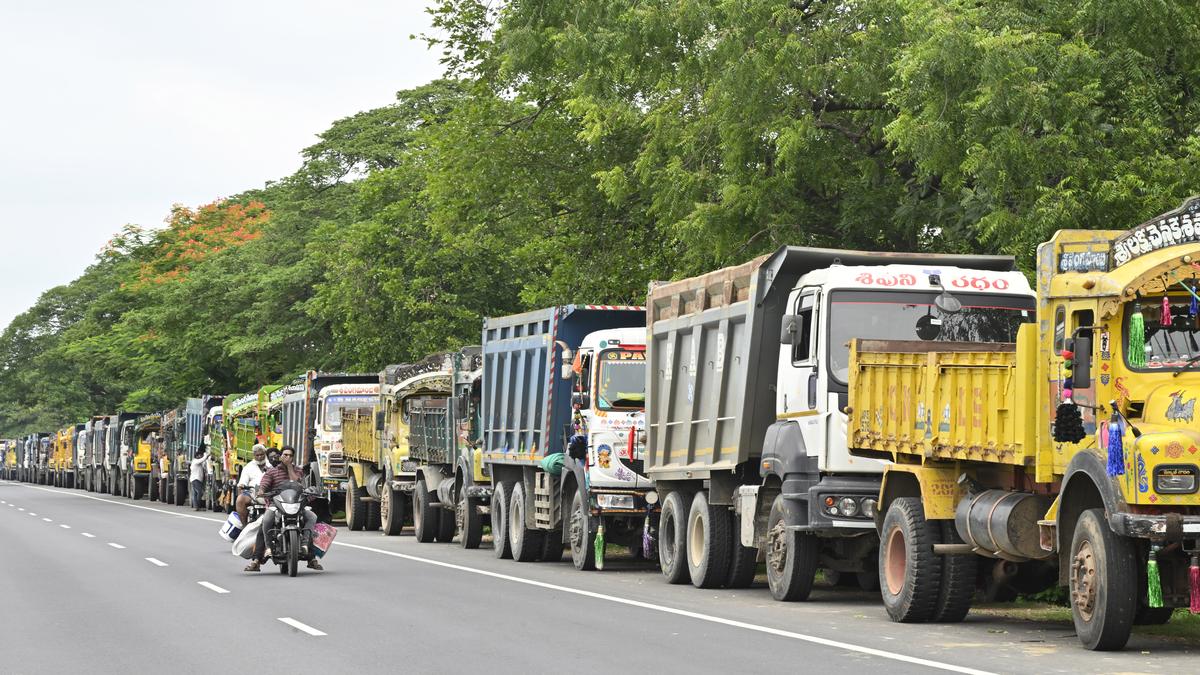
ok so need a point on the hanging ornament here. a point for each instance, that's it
(1194, 583)
(1137, 339)
(1116, 451)
(1068, 422)
(599, 545)
(1153, 582)
(1194, 308)
(1165, 320)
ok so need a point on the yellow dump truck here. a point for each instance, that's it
(1077, 446)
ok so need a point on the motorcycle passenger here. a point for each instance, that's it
(252, 474)
(281, 473)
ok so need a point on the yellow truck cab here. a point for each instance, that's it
(1076, 446)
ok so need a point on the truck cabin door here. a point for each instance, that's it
(799, 383)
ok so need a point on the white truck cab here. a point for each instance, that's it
(327, 423)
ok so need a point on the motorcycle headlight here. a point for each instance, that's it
(290, 509)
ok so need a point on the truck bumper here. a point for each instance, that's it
(1168, 527)
(820, 520)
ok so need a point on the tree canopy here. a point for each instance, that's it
(575, 152)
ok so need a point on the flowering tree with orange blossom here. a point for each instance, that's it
(193, 235)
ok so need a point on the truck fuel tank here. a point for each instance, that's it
(1002, 524)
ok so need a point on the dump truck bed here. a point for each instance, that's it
(358, 435)
(943, 401)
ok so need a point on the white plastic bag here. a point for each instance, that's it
(244, 546)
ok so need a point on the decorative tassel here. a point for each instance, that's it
(1116, 450)
(1165, 320)
(1194, 309)
(1194, 583)
(600, 545)
(647, 540)
(1102, 434)
(1137, 339)
(1153, 583)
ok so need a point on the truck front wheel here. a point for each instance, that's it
(356, 508)
(391, 510)
(709, 544)
(672, 537)
(426, 517)
(791, 556)
(579, 531)
(470, 520)
(910, 574)
(1103, 573)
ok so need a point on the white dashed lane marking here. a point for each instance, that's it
(301, 626)
(156, 561)
(115, 545)
(64, 526)
(212, 587)
(88, 535)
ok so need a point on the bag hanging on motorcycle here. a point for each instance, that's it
(244, 546)
(231, 528)
(323, 535)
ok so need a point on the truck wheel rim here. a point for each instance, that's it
(1083, 580)
(516, 525)
(777, 547)
(897, 561)
(385, 504)
(460, 514)
(695, 540)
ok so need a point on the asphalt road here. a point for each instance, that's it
(101, 584)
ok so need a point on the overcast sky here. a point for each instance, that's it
(112, 111)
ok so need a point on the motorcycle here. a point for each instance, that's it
(289, 541)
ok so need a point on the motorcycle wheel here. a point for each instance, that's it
(293, 554)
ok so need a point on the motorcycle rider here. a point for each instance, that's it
(281, 473)
(252, 474)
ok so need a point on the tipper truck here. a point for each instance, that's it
(9, 448)
(1076, 445)
(312, 424)
(143, 438)
(93, 453)
(747, 385)
(184, 432)
(566, 381)
(440, 399)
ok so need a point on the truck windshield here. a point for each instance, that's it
(1175, 345)
(334, 405)
(905, 315)
(621, 384)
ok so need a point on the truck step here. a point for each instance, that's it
(545, 506)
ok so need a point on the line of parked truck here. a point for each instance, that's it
(782, 416)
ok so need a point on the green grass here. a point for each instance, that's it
(1183, 624)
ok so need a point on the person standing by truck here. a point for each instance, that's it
(197, 476)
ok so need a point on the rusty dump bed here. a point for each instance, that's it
(943, 400)
(713, 349)
(358, 435)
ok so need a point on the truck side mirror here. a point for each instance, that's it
(1081, 373)
(789, 329)
(378, 420)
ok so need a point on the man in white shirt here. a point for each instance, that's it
(199, 469)
(252, 473)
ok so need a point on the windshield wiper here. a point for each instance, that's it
(1187, 364)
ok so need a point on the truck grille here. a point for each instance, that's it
(337, 464)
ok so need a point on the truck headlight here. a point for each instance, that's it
(847, 506)
(868, 507)
(615, 501)
(1175, 479)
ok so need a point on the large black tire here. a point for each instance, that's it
(743, 563)
(445, 531)
(426, 517)
(791, 556)
(910, 575)
(293, 559)
(580, 533)
(181, 492)
(470, 521)
(374, 516)
(153, 486)
(356, 508)
(499, 515)
(709, 544)
(1103, 575)
(552, 546)
(672, 537)
(391, 511)
(137, 488)
(958, 580)
(526, 543)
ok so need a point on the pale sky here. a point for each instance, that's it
(110, 112)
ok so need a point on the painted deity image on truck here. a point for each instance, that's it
(1076, 446)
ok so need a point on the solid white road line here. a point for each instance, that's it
(88, 535)
(156, 561)
(212, 587)
(683, 612)
(132, 506)
(64, 526)
(115, 545)
(300, 626)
